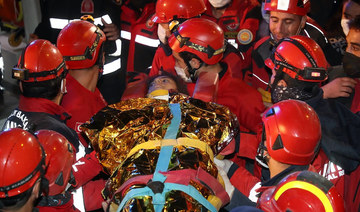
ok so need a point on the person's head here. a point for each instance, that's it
(59, 160)
(287, 17)
(82, 45)
(291, 134)
(351, 9)
(41, 70)
(199, 42)
(298, 65)
(170, 13)
(353, 37)
(167, 81)
(302, 191)
(22, 170)
(351, 59)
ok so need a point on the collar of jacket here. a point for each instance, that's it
(42, 105)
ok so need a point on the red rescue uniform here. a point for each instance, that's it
(81, 103)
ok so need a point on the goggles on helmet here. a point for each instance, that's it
(314, 73)
(88, 54)
(26, 74)
(207, 50)
(88, 18)
(308, 74)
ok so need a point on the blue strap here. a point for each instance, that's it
(162, 166)
(146, 191)
(160, 198)
(191, 191)
(171, 133)
(172, 130)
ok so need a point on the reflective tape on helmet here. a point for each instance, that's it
(307, 187)
(283, 5)
(140, 39)
(112, 66)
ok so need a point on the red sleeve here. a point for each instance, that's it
(92, 194)
(243, 100)
(86, 168)
(243, 180)
(156, 63)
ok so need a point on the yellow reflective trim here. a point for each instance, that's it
(173, 142)
(308, 187)
(215, 201)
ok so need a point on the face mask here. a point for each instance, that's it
(219, 3)
(281, 93)
(265, 14)
(345, 25)
(162, 34)
(351, 64)
(181, 73)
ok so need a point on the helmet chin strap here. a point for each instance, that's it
(192, 71)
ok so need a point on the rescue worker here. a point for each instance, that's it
(169, 14)
(168, 19)
(57, 14)
(299, 65)
(60, 157)
(351, 60)
(22, 170)
(81, 44)
(351, 67)
(287, 145)
(200, 44)
(302, 191)
(41, 72)
(286, 20)
(138, 35)
(233, 18)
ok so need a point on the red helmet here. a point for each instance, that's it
(201, 37)
(40, 61)
(302, 191)
(22, 162)
(168, 10)
(297, 7)
(59, 159)
(80, 42)
(301, 58)
(292, 132)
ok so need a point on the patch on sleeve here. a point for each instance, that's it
(245, 36)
